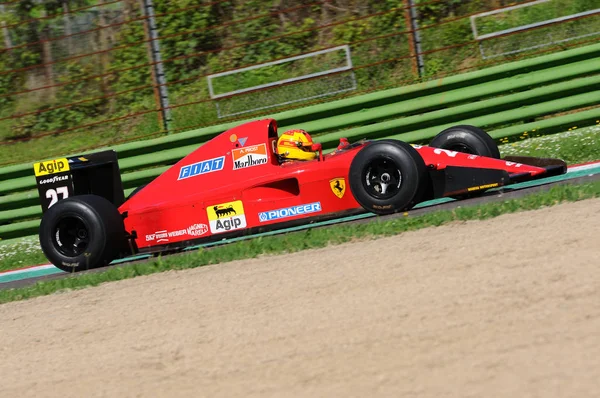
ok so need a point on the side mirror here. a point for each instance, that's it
(343, 143)
(318, 147)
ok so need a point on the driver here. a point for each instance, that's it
(296, 145)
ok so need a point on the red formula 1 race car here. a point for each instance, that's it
(248, 180)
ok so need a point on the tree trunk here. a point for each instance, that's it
(5, 31)
(47, 59)
(68, 29)
(104, 57)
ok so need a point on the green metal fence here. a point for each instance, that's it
(506, 100)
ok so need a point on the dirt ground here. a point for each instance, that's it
(508, 307)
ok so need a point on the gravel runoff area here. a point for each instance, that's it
(508, 307)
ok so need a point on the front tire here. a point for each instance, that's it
(466, 139)
(387, 177)
(82, 232)
(136, 190)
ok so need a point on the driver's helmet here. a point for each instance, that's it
(296, 144)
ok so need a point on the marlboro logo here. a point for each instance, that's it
(249, 156)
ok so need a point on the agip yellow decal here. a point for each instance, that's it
(226, 217)
(51, 167)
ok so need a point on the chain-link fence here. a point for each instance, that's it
(100, 72)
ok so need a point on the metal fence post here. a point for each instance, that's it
(415, 35)
(159, 79)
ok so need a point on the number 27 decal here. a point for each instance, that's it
(52, 194)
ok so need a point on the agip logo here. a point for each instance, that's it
(51, 167)
(254, 155)
(226, 217)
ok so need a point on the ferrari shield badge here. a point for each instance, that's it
(338, 187)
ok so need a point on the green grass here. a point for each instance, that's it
(309, 239)
(22, 252)
(573, 146)
(77, 141)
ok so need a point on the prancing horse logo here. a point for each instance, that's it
(224, 212)
(338, 187)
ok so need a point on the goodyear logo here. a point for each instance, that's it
(203, 167)
(54, 179)
(226, 217)
(290, 212)
(51, 167)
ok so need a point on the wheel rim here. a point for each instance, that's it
(71, 236)
(382, 178)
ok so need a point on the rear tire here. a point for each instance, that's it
(82, 232)
(387, 177)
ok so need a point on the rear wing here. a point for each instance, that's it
(96, 173)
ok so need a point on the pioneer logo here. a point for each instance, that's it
(290, 212)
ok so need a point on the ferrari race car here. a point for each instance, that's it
(248, 180)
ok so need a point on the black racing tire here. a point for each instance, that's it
(387, 176)
(82, 232)
(138, 189)
(467, 139)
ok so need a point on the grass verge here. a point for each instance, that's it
(22, 252)
(573, 146)
(310, 239)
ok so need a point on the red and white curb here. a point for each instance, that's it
(583, 166)
(25, 269)
(28, 272)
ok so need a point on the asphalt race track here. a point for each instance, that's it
(586, 175)
(502, 307)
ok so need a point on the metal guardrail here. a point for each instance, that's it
(346, 106)
(488, 98)
(529, 27)
(281, 82)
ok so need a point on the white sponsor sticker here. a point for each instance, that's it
(254, 155)
(226, 217)
(197, 229)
